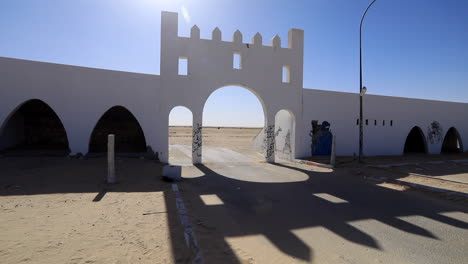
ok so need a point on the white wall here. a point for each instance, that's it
(342, 111)
(284, 135)
(210, 67)
(80, 95)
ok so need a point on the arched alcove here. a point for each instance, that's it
(233, 119)
(285, 124)
(34, 125)
(180, 136)
(415, 141)
(452, 142)
(129, 136)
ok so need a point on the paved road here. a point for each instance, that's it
(182, 155)
(253, 212)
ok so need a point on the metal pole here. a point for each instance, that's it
(361, 133)
(110, 159)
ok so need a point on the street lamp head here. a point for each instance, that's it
(363, 90)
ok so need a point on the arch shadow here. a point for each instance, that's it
(415, 142)
(129, 136)
(452, 142)
(33, 126)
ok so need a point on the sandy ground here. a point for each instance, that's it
(450, 171)
(382, 160)
(445, 171)
(214, 136)
(58, 210)
(219, 145)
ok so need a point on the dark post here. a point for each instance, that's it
(361, 134)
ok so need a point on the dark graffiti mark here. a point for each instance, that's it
(278, 131)
(435, 132)
(269, 141)
(321, 138)
(197, 140)
(277, 135)
(287, 143)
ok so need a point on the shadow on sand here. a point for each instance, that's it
(273, 210)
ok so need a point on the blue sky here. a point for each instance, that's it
(222, 109)
(412, 48)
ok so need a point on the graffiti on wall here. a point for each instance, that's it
(277, 136)
(435, 133)
(278, 131)
(321, 138)
(287, 143)
(197, 140)
(269, 141)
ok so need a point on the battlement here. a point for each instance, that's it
(169, 29)
(193, 58)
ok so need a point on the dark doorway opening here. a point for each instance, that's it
(415, 142)
(452, 142)
(129, 136)
(34, 127)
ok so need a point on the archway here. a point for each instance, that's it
(233, 122)
(285, 124)
(452, 142)
(34, 126)
(129, 136)
(180, 136)
(415, 141)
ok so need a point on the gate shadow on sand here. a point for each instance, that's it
(273, 210)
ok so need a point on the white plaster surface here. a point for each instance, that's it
(80, 95)
(379, 140)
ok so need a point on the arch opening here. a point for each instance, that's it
(415, 142)
(34, 126)
(233, 125)
(180, 136)
(452, 142)
(129, 136)
(285, 124)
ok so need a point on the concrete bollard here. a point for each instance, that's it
(172, 173)
(333, 154)
(110, 159)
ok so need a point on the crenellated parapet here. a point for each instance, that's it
(170, 29)
(295, 38)
(215, 56)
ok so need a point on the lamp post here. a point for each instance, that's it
(362, 90)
